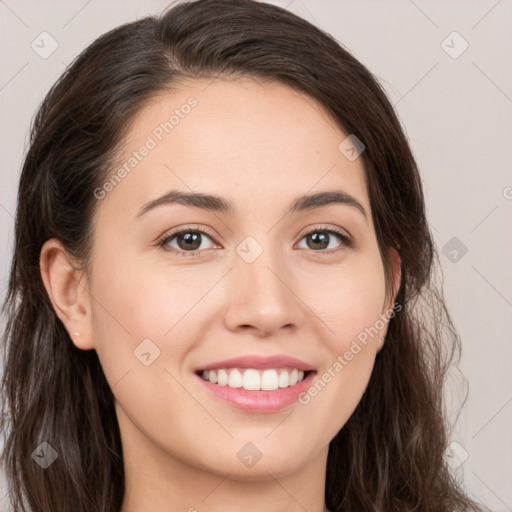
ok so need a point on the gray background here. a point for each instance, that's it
(456, 108)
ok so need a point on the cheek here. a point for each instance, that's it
(177, 308)
(133, 303)
(144, 300)
(348, 299)
(152, 307)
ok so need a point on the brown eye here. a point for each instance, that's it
(189, 241)
(321, 239)
(186, 242)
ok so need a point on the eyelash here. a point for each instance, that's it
(167, 237)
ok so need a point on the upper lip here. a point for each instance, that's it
(260, 362)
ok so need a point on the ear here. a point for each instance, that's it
(67, 289)
(396, 270)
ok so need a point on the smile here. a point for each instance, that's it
(252, 379)
(256, 384)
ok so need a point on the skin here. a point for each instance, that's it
(259, 146)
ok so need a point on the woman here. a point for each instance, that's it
(222, 289)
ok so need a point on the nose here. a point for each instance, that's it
(261, 296)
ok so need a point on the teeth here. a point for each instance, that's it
(254, 380)
(269, 380)
(222, 378)
(283, 380)
(235, 378)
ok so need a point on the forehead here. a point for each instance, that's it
(248, 141)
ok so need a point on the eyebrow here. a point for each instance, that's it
(218, 204)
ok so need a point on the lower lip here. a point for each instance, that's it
(259, 401)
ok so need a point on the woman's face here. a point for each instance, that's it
(269, 279)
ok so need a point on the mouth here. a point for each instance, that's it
(253, 379)
(256, 384)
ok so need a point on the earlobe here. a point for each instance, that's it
(67, 290)
(396, 265)
(396, 269)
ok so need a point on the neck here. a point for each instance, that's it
(157, 481)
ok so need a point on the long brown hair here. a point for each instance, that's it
(389, 455)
